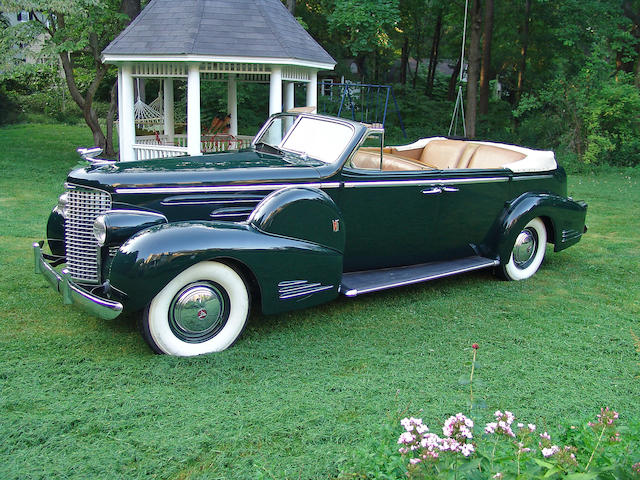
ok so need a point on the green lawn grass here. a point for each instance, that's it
(301, 392)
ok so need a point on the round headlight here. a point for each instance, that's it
(100, 230)
(63, 204)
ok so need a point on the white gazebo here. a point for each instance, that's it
(228, 41)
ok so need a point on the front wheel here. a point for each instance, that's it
(527, 252)
(202, 310)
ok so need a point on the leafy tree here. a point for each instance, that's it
(76, 32)
(365, 25)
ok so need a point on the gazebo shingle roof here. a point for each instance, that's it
(220, 28)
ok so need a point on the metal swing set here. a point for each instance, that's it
(366, 103)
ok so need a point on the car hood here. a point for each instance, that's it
(247, 166)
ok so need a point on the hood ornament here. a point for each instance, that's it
(89, 154)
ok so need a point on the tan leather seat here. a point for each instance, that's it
(487, 156)
(370, 160)
(442, 154)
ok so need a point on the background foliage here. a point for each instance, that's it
(568, 69)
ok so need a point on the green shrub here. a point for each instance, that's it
(593, 113)
(9, 109)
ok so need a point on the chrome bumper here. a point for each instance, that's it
(72, 293)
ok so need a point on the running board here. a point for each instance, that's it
(357, 283)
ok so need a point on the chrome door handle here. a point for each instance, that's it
(451, 189)
(432, 191)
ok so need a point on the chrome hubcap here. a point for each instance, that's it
(199, 311)
(525, 248)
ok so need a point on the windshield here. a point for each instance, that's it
(314, 137)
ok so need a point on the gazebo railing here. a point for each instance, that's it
(148, 147)
(150, 152)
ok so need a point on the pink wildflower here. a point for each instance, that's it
(406, 438)
(467, 449)
(458, 426)
(502, 425)
(497, 475)
(547, 452)
(545, 435)
(491, 427)
(415, 461)
(430, 454)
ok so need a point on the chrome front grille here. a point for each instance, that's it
(83, 251)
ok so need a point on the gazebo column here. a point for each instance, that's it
(232, 103)
(167, 108)
(127, 125)
(312, 90)
(275, 90)
(193, 110)
(289, 96)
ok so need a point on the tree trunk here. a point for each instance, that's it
(631, 14)
(404, 61)
(130, 8)
(453, 82)
(414, 78)
(485, 71)
(473, 72)
(523, 51)
(109, 151)
(291, 6)
(433, 57)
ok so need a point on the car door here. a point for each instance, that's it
(470, 203)
(390, 218)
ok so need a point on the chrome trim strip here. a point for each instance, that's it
(224, 188)
(424, 182)
(518, 178)
(305, 293)
(299, 288)
(354, 292)
(72, 293)
(210, 202)
(568, 235)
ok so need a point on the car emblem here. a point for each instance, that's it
(336, 225)
(202, 314)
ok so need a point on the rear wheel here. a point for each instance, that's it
(527, 252)
(202, 310)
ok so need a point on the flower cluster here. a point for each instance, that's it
(416, 438)
(502, 425)
(606, 419)
(517, 442)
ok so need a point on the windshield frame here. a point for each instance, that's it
(299, 118)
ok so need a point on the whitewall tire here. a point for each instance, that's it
(527, 252)
(202, 310)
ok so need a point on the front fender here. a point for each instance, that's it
(290, 273)
(563, 217)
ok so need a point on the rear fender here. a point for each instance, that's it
(290, 273)
(563, 217)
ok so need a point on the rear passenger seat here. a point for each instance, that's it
(440, 154)
(457, 154)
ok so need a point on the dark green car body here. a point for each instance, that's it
(283, 220)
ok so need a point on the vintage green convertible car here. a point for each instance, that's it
(316, 207)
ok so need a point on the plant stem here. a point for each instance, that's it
(586, 469)
(473, 366)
